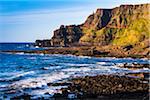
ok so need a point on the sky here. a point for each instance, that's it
(28, 20)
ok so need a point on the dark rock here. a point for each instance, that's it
(59, 84)
(63, 37)
(134, 66)
(144, 75)
(24, 97)
(43, 43)
(72, 96)
(44, 68)
(128, 47)
(99, 19)
(103, 86)
(47, 93)
(66, 35)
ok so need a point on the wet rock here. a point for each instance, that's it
(58, 95)
(59, 84)
(134, 66)
(72, 96)
(107, 85)
(44, 68)
(47, 93)
(24, 97)
(144, 75)
(43, 43)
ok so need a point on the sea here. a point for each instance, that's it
(24, 73)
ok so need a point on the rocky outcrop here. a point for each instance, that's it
(66, 35)
(99, 19)
(43, 43)
(127, 25)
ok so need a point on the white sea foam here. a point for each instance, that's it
(36, 46)
(22, 74)
(146, 69)
(49, 90)
(119, 64)
(32, 58)
(40, 81)
(84, 57)
(94, 68)
(10, 73)
(16, 75)
(53, 68)
(141, 70)
(23, 53)
(74, 65)
(83, 69)
(20, 53)
(101, 63)
(102, 67)
(109, 58)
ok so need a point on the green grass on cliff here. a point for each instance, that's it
(96, 36)
(89, 34)
(136, 32)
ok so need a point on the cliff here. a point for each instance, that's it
(127, 25)
(64, 36)
(124, 25)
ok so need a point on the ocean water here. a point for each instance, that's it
(29, 73)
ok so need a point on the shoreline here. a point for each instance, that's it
(34, 53)
(105, 87)
(82, 51)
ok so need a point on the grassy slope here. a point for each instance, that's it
(137, 31)
(134, 28)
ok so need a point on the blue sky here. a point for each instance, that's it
(28, 20)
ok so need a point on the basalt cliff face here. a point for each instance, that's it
(127, 25)
(64, 36)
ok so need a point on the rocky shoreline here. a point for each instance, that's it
(128, 86)
(106, 87)
(93, 51)
(101, 87)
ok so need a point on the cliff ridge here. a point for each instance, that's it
(126, 25)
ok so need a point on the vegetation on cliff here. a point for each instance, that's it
(128, 25)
